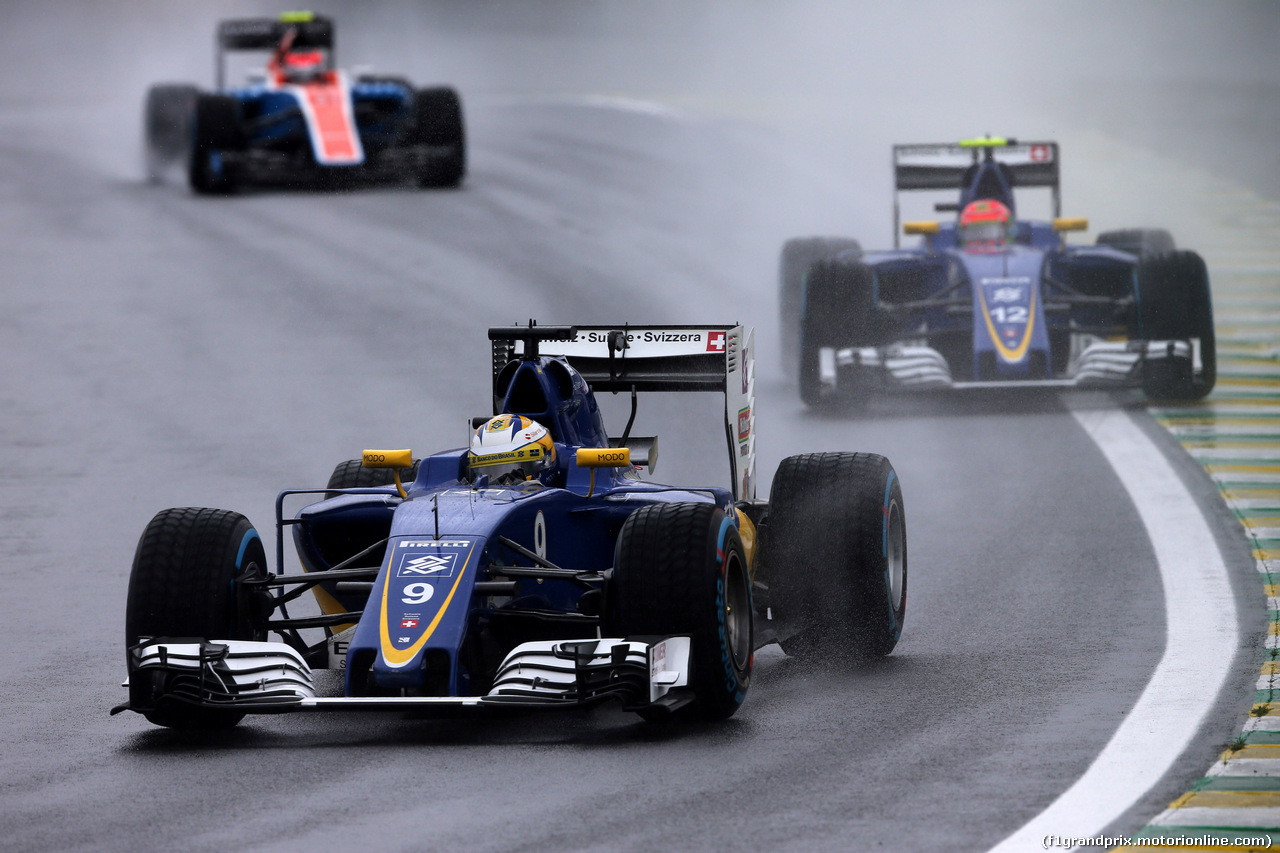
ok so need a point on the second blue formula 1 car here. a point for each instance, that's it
(535, 568)
(992, 299)
(299, 120)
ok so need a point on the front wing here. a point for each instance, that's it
(262, 165)
(271, 677)
(1104, 364)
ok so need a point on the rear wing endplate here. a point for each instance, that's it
(666, 358)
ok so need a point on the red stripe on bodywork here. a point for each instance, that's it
(334, 132)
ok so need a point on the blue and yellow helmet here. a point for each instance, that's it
(511, 449)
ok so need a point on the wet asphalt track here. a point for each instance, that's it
(161, 349)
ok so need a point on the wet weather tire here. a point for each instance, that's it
(793, 266)
(838, 310)
(353, 475)
(1174, 304)
(215, 130)
(185, 584)
(1142, 242)
(834, 555)
(680, 568)
(167, 119)
(438, 129)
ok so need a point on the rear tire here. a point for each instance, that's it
(834, 555)
(1142, 242)
(438, 127)
(353, 475)
(166, 129)
(793, 265)
(838, 310)
(185, 583)
(215, 131)
(680, 568)
(1174, 303)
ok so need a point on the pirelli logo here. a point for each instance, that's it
(436, 543)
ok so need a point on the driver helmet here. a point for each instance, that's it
(300, 65)
(985, 224)
(511, 449)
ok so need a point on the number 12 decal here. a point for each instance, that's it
(1009, 314)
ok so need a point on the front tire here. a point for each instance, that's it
(1174, 303)
(835, 555)
(438, 128)
(838, 310)
(215, 131)
(680, 568)
(167, 117)
(186, 583)
(793, 265)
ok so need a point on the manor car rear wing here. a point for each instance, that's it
(312, 31)
(664, 358)
(952, 166)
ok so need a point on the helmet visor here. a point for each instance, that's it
(984, 232)
(505, 473)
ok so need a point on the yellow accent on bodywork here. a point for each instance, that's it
(329, 604)
(1064, 223)
(390, 654)
(393, 459)
(1015, 354)
(920, 226)
(386, 458)
(747, 532)
(984, 142)
(604, 457)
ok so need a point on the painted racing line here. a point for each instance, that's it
(1201, 638)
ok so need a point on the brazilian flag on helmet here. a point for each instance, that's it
(510, 449)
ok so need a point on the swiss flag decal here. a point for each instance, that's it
(715, 342)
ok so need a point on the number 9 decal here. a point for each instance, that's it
(417, 593)
(540, 536)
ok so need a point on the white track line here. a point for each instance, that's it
(1201, 639)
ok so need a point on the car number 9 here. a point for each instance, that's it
(417, 593)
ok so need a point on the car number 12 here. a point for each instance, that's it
(1009, 314)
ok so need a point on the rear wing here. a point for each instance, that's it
(313, 31)
(664, 358)
(951, 166)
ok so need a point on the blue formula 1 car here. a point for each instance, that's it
(299, 120)
(990, 299)
(535, 568)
